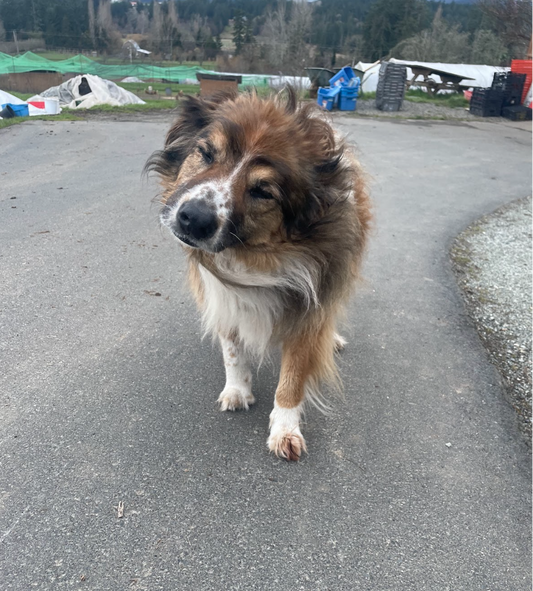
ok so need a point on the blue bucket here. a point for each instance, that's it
(12, 110)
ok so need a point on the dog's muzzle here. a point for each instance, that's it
(195, 220)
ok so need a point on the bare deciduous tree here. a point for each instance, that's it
(172, 13)
(487, 48)
(441, 43)
(92, 27)
(512, 20)
(287, 39)
(275, 32)
(299, 28)
(143, 22)
(157, 21)
(103, 16)
(108, 36)
(131, 20)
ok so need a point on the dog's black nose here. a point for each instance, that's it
(196, 219)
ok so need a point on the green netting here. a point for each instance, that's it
(80, 64)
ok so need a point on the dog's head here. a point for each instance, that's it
(241, 171)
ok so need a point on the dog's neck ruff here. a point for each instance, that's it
(249, 303)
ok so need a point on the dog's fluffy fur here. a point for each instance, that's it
(287, 221)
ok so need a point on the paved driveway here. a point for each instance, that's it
(420, 481)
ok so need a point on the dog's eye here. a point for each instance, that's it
(207, 155)
(260, 193)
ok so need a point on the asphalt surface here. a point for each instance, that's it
(419, 481)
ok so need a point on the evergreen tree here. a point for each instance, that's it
(248, 34)
(390, 21)
(239, 31)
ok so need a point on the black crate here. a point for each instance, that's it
(517, 113)
(391, 86)
(486, 102)
(389, 105)
(511, 84)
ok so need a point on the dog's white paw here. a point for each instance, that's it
(288, 445)
(286, 439)
(235, 399)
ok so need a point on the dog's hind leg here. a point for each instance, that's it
(238, 390)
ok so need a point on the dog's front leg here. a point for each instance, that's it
(306, 361)
(286, 439)
(238, 390)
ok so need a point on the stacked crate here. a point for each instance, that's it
(343, 91)
(486, 102)
(512, 86)
(503, 98)
(391, 87)
(523, 67)
(517, 113)
(327, 97)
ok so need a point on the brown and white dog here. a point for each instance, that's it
(272, 212)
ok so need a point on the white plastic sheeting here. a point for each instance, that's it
(529, 97)
(276, 82)
(102, 92)
(481, 75)
(5, 97)
(39, 108)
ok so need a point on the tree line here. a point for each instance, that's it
(273, 35)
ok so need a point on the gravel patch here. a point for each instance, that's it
(411, 110)
(492, 262)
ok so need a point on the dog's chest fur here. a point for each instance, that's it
(249, 304)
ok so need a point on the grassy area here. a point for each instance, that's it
(119, 61)
(66, 115)
(139, 88)
(151, 105)
(454, 100)
(54, 55)
(79, 115)
(366, 96)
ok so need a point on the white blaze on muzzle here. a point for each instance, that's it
(213, 197)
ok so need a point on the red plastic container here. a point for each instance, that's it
(523, 67)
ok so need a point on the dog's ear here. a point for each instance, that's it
(325, 180)
(196, 114)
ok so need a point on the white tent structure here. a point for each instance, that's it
(481, 75)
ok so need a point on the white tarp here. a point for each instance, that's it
(41, 108)
(299, 82)
(274, 81)
(5, 97)
(481, 75)
(100, 92)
